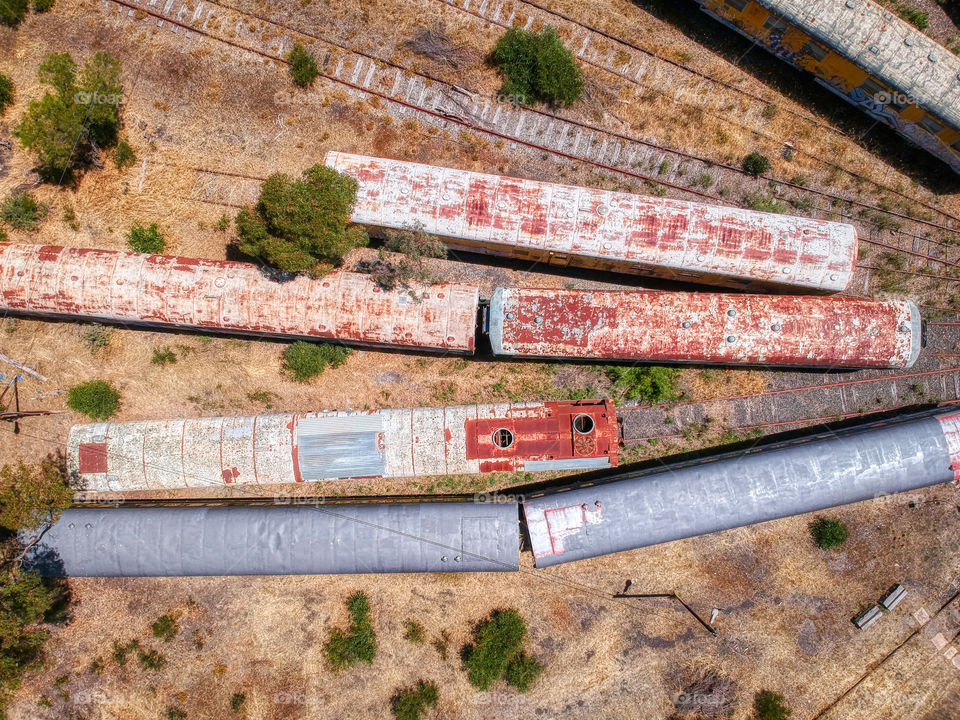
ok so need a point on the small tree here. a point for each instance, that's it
(146, 239)
(828, 533)
(769, 706)
(756, 164)
(416, 245)
(67, 128)
(33, 494)
(96, 399)
(301, 223)
(303, 67)
(537, 67)
(22, 211)
(12, 12)
(6, 93)
(411, 703)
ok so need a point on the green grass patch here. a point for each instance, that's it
(124, 155)
(756, 164)
(414, 632)
(163, 356)
(411, 703)
(146, 239)
(346, 648)
(6, 93)
(21, 211)
(765, 203)
(769, 706)
(306, 360)
(654, 384)
(95, 399)
(166, 628)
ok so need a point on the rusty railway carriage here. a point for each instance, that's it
(729, 329)
(638, 509)
(867, 55)
(634, 510)
(269, 449)
(232, 297)
(587, 227)
(646, 326)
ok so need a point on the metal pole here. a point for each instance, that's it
(677, 598)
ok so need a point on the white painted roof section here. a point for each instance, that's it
(856, 31)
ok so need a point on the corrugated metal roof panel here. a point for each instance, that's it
(429, 537)
(737, 489)
(654, 326)
(339, 447)
(627, 233)
(232, 297)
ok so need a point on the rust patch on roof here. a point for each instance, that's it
(93, 458)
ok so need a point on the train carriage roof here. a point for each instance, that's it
(890, 49)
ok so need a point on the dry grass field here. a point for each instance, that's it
(785, 606)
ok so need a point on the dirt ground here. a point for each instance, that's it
(784, 605)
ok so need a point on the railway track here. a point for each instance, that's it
(636, 64)
(432, 102)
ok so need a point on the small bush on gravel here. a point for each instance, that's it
(537, 68)
(95, 399)
(756, 164)
(303, 67)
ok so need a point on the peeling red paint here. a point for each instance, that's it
(950, 424)
(230, 297)
(93, 457)
(589, 227)
(725, 328)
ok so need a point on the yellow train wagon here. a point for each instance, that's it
(866, 55)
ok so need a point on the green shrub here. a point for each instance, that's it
(3, 235)
(299, 223)
(6, 93)
(22, 211)
(223, 223)
(33, 494)
(416, 245)
(124, 155)
(756, 164)
(96, 337)
(537, 67)
(70, 217)
(176, 714)
(415, 632)
(146, 239)
(496, 641)
(95, 399)
(917, 18)
(120, 651)
(411, 703)
(523, 671)
(163, 356)
(303, 67)
(151, 660)
(345, 648)
(828, 533)
(305, 360)
(237, 701)
(41, 6)
(12, 12)
(165, 628)
(65, 128)
(769, 706)
(655, 384)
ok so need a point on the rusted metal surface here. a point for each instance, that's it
(231, 297)
(653, 326)
(950, 424)
(568, 225)
(707, 495)
(270, 449)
